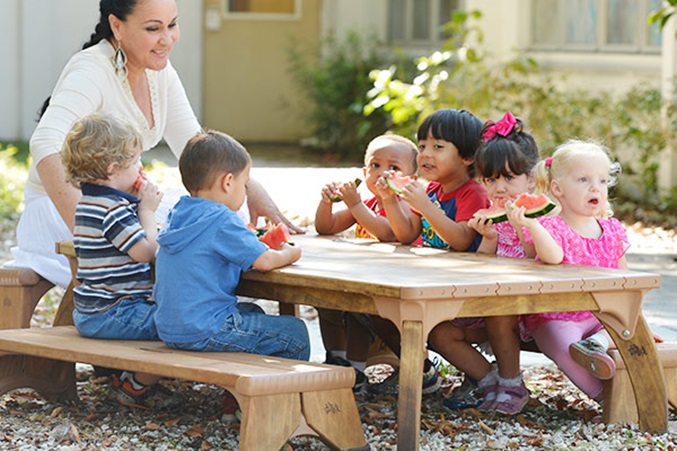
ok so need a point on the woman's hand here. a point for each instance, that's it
(261, 205)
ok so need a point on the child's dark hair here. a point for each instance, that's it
(512, 151)
(460, 127)
(209, 154)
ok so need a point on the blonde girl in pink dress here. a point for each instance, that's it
(504, 164)
(577, 177)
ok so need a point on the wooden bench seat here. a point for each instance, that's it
(619, 397)
(316, 399)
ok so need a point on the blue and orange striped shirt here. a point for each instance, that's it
(106, 227)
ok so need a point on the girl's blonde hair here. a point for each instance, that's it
(94, 143)
(565, 158)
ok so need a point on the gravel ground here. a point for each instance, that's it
(558, 416)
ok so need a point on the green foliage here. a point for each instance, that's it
(335, 77)
(12, 183)
(662, 14)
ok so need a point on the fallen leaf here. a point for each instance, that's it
(75, 434)
(152, 427)
(486, 428)
(55, 413)
(172, 422)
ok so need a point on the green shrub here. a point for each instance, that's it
(335, 77)
(12, 183)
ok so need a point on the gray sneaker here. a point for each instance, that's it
(391, 384)
(466, 396)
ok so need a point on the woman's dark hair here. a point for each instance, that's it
(460, 127)
(515, 153)
(120, 9)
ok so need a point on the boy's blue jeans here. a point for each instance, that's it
(128, 319)
(251, 330)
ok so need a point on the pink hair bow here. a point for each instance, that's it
(502, 127)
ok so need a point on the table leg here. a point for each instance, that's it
(646, 376)
(409, 398)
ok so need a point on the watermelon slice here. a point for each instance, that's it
(276, 236)
(535, 204)
(336, 198)
(139, 180)
(397, 181)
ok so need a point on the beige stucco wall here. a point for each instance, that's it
(249, 91)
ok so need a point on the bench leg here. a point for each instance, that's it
(53, 379)
(268, 421)
(333, 415)
(19, 298)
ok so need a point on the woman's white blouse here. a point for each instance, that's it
(89, 84)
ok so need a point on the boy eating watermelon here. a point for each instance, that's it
(203, 249)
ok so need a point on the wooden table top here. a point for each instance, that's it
(405, 272)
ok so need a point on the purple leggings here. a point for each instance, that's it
(553, 339)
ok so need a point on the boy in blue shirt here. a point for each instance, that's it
(203, 249)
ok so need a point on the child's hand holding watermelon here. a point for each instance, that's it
(274, 236)
(336, 191)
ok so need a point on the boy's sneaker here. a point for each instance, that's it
(154, 397)
(231, 409)
(467, 396)
(332, 359)
(391, 384)
(361, 383)
(593, 357)
(511, 400)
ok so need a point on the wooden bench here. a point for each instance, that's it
(316, 399)
(619, 397)
(20, 291)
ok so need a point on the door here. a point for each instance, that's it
(249, 92)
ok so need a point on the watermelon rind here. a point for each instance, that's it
(541, 211)
(338, 199)
(532, 213)
(498, 217)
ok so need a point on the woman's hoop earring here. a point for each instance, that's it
(119, 60)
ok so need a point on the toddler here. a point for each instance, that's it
(447, 142)
(504, 164)
(114, 239)
(577, 177)
(347, 336)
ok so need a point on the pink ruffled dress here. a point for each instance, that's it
(603, 252)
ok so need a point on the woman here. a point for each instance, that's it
(124, 70)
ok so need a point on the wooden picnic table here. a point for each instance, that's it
(417, 288)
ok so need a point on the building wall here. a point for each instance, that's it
(249, 89)
(40, 36)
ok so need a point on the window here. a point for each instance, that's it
(418, 22)
(594, 26)
(262, 9)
